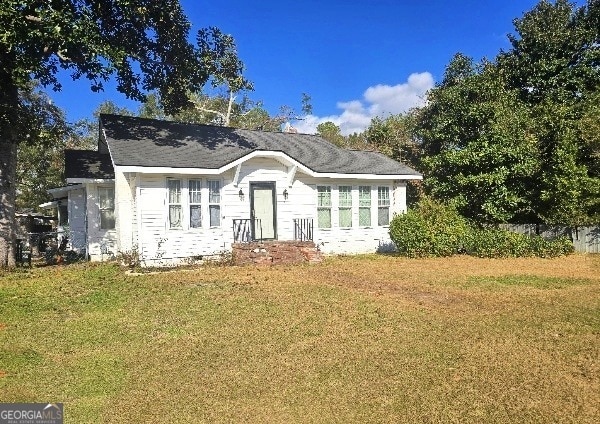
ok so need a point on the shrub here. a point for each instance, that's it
(431, 229)
(559, 246)
(496, 243)
(499, 243)
(434, 229)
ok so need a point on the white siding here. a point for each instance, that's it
(134, 185)
(158, 244)
(398, 198)
(102, 244)
(124, 210)
(336, 240)
(77, 221)
(261, 170)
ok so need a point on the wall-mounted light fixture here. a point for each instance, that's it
(241, 194)
(285, 194)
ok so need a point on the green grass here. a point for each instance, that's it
(361, 339)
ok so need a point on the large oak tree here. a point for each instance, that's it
(142, 43)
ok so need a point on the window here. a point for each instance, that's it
(364, 206)
(106, 198)
(214, 202)
(63, 214)
(324, 206)
(194, 187)
(345, 206)
(383, 206)
(174, 187)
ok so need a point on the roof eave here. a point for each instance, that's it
(261, 153)
(90, 180)
(62, 191)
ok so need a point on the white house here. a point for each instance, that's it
(172, 191)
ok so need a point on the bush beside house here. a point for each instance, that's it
(433, 229)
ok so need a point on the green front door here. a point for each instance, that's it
(263, 211)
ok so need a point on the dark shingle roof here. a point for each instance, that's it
(88, 164)
(154, 143)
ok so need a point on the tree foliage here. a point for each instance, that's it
(395, 137)
(515, 139)
(218, 54)
(331, 132)
(143, 43)
(479, 151)
(554, 64)
(244, 114)
(40, 156)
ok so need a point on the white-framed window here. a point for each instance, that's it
(174, 201)
(106, 203)
(324, 206)
(195, 202)
(383, 206)
(345, 206)
(214, 202)
(364, 206)
(63, 213)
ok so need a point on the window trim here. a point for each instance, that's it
(180, 204)
(328, 207)
(380, 206)
(220, 203)
(349, 207)
(101, 209)
(369, 207)
(200, 204)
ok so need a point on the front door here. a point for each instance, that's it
(262, 211)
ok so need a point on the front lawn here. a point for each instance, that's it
(356, 339)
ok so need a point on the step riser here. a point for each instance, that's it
(275, 253)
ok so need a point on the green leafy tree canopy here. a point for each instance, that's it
(142, 43)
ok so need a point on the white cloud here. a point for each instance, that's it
(379, 100)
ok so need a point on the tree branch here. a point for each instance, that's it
(33, 18)
(63, 57)
(203, 109)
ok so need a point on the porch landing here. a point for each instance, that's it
(276, 252)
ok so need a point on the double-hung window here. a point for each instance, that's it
(345, 206)
(364, 206)
(195, 198)
(383, 206)
(106, 198)
(175, 210)
(214, 202)
(324, 206)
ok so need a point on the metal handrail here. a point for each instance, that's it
(242, 230)
(303, 229)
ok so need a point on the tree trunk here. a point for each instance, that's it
(8, 170)
(229, 108)
(9, 133)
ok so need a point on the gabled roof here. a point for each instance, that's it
(88, 164)
(139, 142)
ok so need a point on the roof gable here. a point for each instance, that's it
(154, 143)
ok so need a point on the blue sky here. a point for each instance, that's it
(356, 59)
